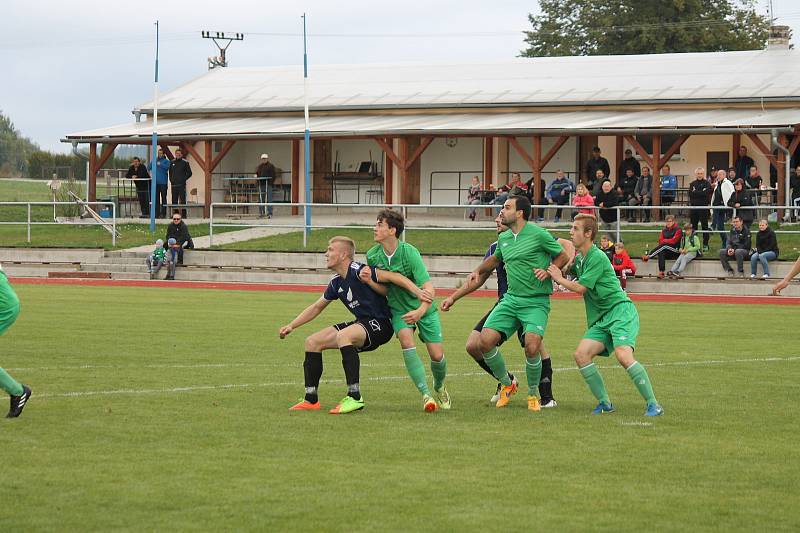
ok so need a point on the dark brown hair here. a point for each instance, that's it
(393, 219)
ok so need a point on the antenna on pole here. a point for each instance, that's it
(219, 37)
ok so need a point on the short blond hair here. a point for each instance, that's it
(588, 223)
(349, 244)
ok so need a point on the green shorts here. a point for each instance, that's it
(429, 327)
(9, 304)
(618, 327)
(512, 313)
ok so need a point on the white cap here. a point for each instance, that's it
(264, 156)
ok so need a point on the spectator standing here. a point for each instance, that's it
(162, 179)
(265, 173)
(179, 173)
(623, 266)
(668, 244)
(596, 162)
(794, 183)
(626, 188)
(537, 212)
(583, 201)
(742, 201)
(743, 163)
(766, 250)
(178, 239)
(643, 193)
(141, 180)
(558, 192)
(719, 201)
(689, 249)
(669, 186)
(607, 201)
(737, 245)
(474, 196)
(699, 193)
(629, 162)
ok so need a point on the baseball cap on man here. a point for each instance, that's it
(264, 156)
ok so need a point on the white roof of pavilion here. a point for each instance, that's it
(772, 74)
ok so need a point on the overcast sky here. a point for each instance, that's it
(72, 66)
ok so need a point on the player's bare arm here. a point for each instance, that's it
(558, 276)
(782, 284)
(412, 317)
(385, 276)
(462, 291)
(559, 261)
(486, 267)
(306, 315)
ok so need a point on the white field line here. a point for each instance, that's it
(195, 388)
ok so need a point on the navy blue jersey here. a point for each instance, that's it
(502, 278)
(359, 298)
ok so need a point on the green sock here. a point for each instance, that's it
(8, 384)
(415, 370)
(591, 375)
(642, 381)
(439, 371)
(495, 361)
(533, 371)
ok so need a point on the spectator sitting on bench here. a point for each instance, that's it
(583, 201)
(157, 259)
(669, 186)
(607, 247)
(643, 193)
(607, 201)
(668, 245)
(474, 196)
(737, 245)
(766, 249)
(689, 249)
(178, 239)
(558, 192)
(626, 188)
(623, 266)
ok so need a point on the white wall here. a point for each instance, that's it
(466, 155)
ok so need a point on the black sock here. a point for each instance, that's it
(312, 370)
(546, 382)
(351, 364)
(482, 363)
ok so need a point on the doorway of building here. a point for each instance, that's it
(716, 161)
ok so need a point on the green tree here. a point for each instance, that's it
(14, 149)
(610, 27)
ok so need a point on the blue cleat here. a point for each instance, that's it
(603, 407)
(653, 409)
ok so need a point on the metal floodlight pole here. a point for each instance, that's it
(307, 141)
(154, 157)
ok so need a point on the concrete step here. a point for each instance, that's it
(79, 275)
(33, 270)
(733, 287)
(129, 275)
(49, 255)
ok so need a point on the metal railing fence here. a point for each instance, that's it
(29, 222)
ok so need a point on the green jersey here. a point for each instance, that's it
(603, 291)
(533, 247)
(160, 254)
(407, 261)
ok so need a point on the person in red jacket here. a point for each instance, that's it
(668, 245)
(623, 266)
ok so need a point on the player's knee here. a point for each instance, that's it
(311, 345)
(474, 347)
(343, 338)
(582, 357)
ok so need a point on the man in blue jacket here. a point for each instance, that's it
(162, 178)
(558, 192)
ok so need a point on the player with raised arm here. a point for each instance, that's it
(371, 328)
(782, 284)
(524, 248)
(9, 311)
(473, 341)
(610, 315)
(408, 312)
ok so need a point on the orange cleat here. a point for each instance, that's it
(304, 405)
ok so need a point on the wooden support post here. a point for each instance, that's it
(488, 161)
(521, 151)
(619, 154)
(656, 157)
(537, 169)
(673, 149)
(737, 143)
(640, 151)
(402, 148)
(207, 168)
(295, 188)
(554, 150)
(92, 172)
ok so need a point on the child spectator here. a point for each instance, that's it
(583, 201)
(474, 196)
(623, 266)
(766, 249)
(690, 248)
(668, 243)
(607, 247)
(157, 259)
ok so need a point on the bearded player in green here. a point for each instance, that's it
(408, 312)
(527, 250)
(611, 316)
(9, 311)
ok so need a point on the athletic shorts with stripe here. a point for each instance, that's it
(479, 327)
(379, 331)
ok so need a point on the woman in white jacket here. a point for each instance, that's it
(723, 189)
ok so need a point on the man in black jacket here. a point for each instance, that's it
(629, 162)
(743, 163)
(138, 172)
(626, 187)
(699, 194)
(179, 173)
(265, 172)
(607, 201)
(176, 241)
(595, 163)
(738, 246)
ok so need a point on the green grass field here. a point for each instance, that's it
(166, 409)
